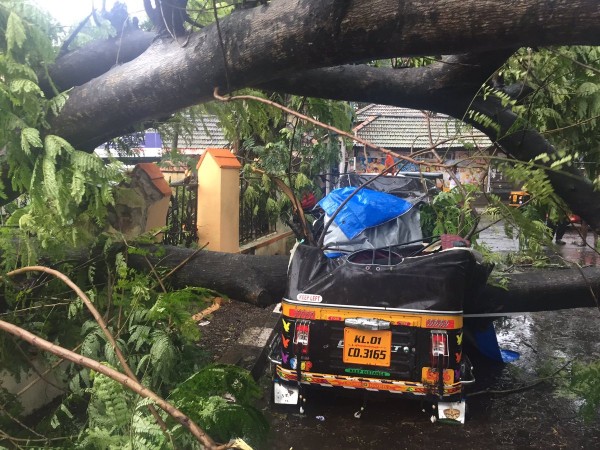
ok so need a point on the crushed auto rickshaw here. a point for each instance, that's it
(374, 309)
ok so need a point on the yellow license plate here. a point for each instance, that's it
(371, 348)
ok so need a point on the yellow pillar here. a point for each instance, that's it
(219, 200)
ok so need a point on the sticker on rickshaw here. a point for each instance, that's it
(366, 347)
(312, 298)
(451, 411)
(431, 376)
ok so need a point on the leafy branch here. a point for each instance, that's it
(126, 381)
(98, 319)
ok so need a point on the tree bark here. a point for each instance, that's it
(96, 58)
(542, 290)
(260, 280)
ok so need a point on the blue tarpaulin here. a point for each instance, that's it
(487, 343)
(365, 210)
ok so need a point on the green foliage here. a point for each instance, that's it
(566, 100)
(202, 11)
(220, 399)
(530, 223)
(585, 383)
(450, 213)
(484, 120)
(175, 307)
(71, 187)
(286, 147)
(108, 409)
(158, 337)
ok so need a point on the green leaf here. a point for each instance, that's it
(25, 87)
(15, 32)
(30, 137)
(588, 88)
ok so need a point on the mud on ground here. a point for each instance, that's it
(226, 325)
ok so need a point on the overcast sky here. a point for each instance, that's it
(69, 12)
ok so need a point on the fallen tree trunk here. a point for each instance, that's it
(261, 280)
(542, 290)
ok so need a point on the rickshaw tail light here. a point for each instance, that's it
(439, 349)
(302, 336)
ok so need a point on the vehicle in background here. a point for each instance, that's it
(518, 198)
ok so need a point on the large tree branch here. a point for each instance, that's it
(98, 57)
(288, 36)
(449, 84)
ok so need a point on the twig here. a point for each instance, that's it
(522, 388)
(325, 126)
(50, 369)
(35, 369)
(14, 419)
(184, 262)
(23, 310)
(3, 435)
(155, 274)
(126, 381)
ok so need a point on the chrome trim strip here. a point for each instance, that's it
(504, 314)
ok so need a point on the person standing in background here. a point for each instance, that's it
(584, 232)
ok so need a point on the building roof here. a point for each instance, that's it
(222, 156)
(392, 127)
(207, 133)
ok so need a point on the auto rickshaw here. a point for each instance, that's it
(387, 319)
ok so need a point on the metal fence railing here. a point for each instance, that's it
(182, 215)
(183, 211)
(254, 219)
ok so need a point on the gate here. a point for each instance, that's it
(182, 214)
(254, 219)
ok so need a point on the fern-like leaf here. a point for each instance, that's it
(15, 32)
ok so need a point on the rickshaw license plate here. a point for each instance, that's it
(372, 348)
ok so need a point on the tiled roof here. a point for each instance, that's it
(156, 176)
(392, 127)
(207, 133)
